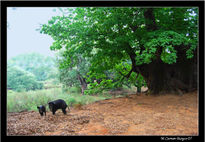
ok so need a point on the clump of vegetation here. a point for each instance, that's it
(31, 72)
(42, 67)
(20, 80)
(21, 101)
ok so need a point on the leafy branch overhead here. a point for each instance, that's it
(140, 36)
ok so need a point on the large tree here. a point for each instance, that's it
(160, 43)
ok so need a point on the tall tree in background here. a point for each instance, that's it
(74, 74)
(161, 43)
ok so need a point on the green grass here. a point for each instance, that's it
(20, 101)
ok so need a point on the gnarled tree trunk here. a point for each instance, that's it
(160, 77)
(164, 78)
(82, 83)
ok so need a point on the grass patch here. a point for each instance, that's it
(20, 101)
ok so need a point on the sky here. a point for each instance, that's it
(22, 36)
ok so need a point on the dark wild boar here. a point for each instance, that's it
(42, 109)
(57, 104)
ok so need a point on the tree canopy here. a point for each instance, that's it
(34, 63)
(151, 40)
(19, 79)
(29, 71)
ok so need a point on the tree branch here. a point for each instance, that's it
(150, 19)
(126, 76)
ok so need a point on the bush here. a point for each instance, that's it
(20, 80)
(71, 101)
(91, 91)
(71, 90)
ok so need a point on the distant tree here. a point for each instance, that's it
(19, 80)
(75, 74)
(35, 63)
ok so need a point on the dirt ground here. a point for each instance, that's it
(131, 115)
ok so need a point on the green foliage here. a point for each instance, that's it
(167, 41)
(95, 88)
(92, 91)
(99, 81)
(123, 69)
(137, 80)
(72, 101)
(31, 71)
(17, 102)
(20, 80)
(112, 79)
(107, 36)
(29, 100)
(40, 66)
(51, 83)
(71, 90)
(78, 66)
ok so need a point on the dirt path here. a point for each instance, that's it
(132, 115)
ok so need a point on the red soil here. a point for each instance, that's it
(131, 115)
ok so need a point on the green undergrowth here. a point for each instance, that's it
(28, 101)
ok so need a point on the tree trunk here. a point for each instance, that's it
(163, 78)
(138, 89)
(82, 83)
